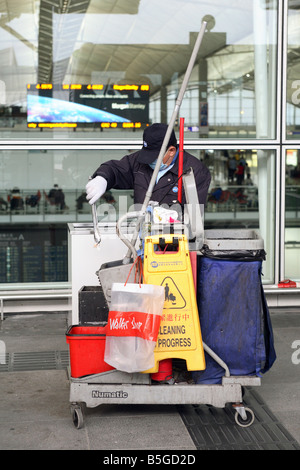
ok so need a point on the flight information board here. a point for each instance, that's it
(33, 253)
(75, 105)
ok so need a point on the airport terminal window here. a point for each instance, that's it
(101, 52)
(241, 194)
(64, 64)
(29, 176)
(293, 79)
(292, 214)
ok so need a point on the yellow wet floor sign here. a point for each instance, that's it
(179, 334)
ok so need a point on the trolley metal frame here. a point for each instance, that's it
(117, 387)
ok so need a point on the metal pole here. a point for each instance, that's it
(167, 136)
(97, 234)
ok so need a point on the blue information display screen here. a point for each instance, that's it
(74, 105)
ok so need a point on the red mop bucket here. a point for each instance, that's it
(86, 347)
(165, 371)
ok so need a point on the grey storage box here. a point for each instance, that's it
(236, 244)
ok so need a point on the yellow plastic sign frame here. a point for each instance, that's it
(180, 333)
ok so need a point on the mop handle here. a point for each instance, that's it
(167, 137)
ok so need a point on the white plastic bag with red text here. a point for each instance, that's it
(133, 325)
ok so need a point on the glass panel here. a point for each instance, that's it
(234, 201)
(64, 65)
(242, 196)
(292, 215)
(33, 253)
(293, 68)
(29, 176)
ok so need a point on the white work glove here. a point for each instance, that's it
(95, 189)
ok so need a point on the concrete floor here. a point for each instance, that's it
(34, 406)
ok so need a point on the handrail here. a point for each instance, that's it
(32, 294)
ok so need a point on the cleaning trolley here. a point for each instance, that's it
(204, 351)
(186, 320)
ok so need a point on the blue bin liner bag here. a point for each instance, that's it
(234, 318)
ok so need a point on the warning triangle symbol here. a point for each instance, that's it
(173, 297)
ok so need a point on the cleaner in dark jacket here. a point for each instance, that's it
(134, 171)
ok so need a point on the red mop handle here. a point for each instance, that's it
(180, 158)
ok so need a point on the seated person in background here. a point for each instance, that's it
(57, 197)
(16, 201)
(52, 194)
(33, 199)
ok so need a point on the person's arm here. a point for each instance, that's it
(116, 174)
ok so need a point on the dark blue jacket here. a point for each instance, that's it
(128, 173)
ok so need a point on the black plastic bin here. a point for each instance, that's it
(92, 305)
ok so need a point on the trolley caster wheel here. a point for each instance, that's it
(244, 416)
(77, 416)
